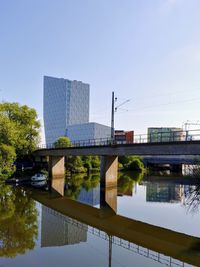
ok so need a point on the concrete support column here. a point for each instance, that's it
(108, 171)
(57, 173)
(108, 182)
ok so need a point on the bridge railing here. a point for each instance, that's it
(153, 137)
(82, 143)
(168, 136)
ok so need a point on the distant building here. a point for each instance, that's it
(66, 111)
(124, 136)
(65, 103)
(165, 134)
(88, 132)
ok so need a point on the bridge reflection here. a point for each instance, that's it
(60, 230)
(131, 234)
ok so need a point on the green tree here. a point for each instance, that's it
(95, 161)
(91, 163)
(134, 163)
(7, 157)
(87, 162)
(19, 127)
(62, 141)
(74, 164)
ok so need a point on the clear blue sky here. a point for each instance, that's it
(145, 50)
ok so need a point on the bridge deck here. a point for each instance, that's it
(142, 149)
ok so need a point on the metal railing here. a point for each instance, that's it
(153, 137)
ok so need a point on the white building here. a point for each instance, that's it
(65, 103)
(88, 131)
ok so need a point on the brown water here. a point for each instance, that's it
(37, 234)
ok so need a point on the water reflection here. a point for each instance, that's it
(185, 191)
(79, 186)
(58, 184)
(65, 222)
(161, 192)
(192, 198)
(127, 182)
(59, 230)
(18, 221)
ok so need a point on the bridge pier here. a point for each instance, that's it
(108, 171)
(57, 173)
(108, 186)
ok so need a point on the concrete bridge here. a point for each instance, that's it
(181, 150)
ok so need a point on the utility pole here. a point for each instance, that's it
(114, 109)
(112, 117)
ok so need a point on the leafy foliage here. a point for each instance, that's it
(63, 141)
(127, 181)
(77, 164)
(74, 164)
(19, 134)
(131, 163)
(18, 221)
(91, 163)
(77, 182)
(7, 157)
(19, 127)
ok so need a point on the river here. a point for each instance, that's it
(35, 232)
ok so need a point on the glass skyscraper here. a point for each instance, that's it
(65, 103)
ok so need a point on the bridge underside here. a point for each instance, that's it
(173, 160)
(108, 172)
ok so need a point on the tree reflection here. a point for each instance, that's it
(18, 221)
(76, 182)
(192, 201)
(127, 181)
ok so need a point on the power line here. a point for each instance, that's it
(166, 104)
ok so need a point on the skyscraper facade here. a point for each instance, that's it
(65, 103)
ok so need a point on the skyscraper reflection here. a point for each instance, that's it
(60, 230)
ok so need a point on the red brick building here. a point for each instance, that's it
(124, 137)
